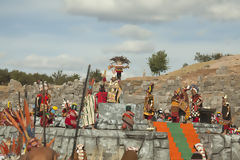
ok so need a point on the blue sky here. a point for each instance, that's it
(45, 36)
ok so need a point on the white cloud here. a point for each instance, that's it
(132, 32)
(63, 61)
(154, 10)
(132, 46)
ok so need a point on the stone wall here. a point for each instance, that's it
(110, 144)
(109, 141)
(212, 88)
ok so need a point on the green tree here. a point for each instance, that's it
(96, 75)
(184, 65)
(58, 77)
(217, 56)
(158, 62)
(73, 77)
(202, 57)
(4, 76)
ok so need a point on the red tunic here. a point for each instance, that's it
(46, 98)
(71, 118)
(102, 97)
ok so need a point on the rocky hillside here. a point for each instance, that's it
(214, 78)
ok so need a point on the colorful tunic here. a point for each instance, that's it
(196, 105)
(114, 92)
(175, 108)
(88, 110)
(101, 97)
(128, 121)
(148, 110)
(71, 118)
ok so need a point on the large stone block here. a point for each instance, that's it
(235, 151)
(161, 154)
(226, 154)
(127, 142)
(146, 151)
(217, 142)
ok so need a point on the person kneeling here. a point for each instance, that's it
(127, 119)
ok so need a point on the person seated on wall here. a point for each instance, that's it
(233, 129)
(160, 115)
(200, 153)
(79, 153)
(218, 117)
(49, 116)
(130, 154)
(127, 119)
(71, 118)
(66, 106)
(167, 115)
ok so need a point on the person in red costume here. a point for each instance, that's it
(71, 118)
(43, 100)
(196, 104)
(101, 95)
(127, 119)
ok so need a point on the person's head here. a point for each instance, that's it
(160, 112)
(177, 92)
(128, 108)
(194, 91)
(196, 156)
(74, 106)
(219, 114)
(102, 88)
(113, 78)
(150, 88)
(224, 99)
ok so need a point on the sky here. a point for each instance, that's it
(49, 35)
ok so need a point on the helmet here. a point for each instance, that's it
(55, 108)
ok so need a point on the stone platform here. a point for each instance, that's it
(109, 142)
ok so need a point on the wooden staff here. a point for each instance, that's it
(44, 126)
(35, 116)
(79, 113)
(19, 100)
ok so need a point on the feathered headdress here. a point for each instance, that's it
(12, 149)
(24, 124)
(122, 59)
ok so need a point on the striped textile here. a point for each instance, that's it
(88, 117)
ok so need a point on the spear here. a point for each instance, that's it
(79, 113)
(19, 100)
(35, 115)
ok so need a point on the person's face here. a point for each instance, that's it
(119, 63)
(224, 101)
(193, 92)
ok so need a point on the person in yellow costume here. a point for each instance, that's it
(149, 110)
